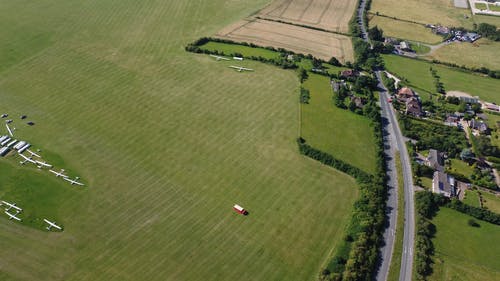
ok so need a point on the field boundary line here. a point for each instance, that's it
(304, 26)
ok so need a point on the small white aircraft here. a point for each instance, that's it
(59, 174)
(26, 159)
(51, 224)
(43, 164)
(219, 57)
(11, 205)
(11, 216)
(33, 153)
(74, 181)
(240, 69)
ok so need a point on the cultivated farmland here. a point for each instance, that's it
(168, 141)
(295, 38)
(331, 15)
(304, 27)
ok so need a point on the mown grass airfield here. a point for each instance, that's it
(167, 142)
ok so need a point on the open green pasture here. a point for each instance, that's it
(418, 75)
(463, 252)
(244, 50)
(341, 133)
(167, 141)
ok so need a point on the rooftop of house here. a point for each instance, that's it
(443, 183)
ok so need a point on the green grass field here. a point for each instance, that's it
(481, 6)
(405, 30)
(244, 50)
(398, 242)
(495, 20)
(167, 141)
(341, 133)
(418, 75)
(463, 252)
(482, 53)
(472, 198)
(491, 202)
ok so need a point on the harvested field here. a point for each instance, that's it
(327, 14)
(320, 44)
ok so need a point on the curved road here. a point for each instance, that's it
(394, 141)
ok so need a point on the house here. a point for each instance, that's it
(405, 46)
(358, 101)
(443, 183)
(479, 126)
(336, 85)
(349, 73)
(435, 160)
(452, 120)
(413, 107)
(404, 94)
(390, 41)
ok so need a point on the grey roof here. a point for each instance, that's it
(436, 160)
(443, 183)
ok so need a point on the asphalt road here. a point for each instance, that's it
(390, 147)
(405, 273)
(393, 141)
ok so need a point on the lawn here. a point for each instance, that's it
(491, 201)
(463, 252)
(405, 30)
(341, 133)
(481, 6)
(426, 182)
(167, 141)
(495, 20)
(424, 11)
(482, 53)
(472, 198)
(418, 75)
(244, 50)
(459, 166)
